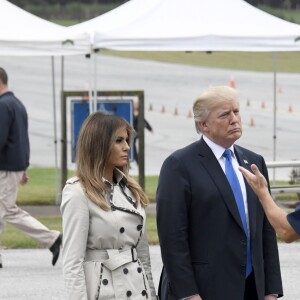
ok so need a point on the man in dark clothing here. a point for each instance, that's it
(14, 160)
(136, 128)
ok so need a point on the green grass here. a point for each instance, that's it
(288, 62)
(14, 238)
(152, 229)
(41, 189)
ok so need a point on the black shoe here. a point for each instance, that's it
(55, 249)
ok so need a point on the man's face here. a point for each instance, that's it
(223, 125)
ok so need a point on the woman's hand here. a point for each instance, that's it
(256, 180)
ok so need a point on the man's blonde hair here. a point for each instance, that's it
(204, 104)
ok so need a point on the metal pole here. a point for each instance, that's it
(141, 139)
(64, 169)
(91, 85)
(274, 112)
(57, 178)
(95, 81)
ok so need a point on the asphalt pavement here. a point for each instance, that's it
(28, 274)
(272, 133)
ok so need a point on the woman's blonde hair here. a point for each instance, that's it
(209, 99)
(96, 138)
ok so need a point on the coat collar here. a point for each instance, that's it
(118, 175)
(120, 197)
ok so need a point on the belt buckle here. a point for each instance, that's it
(132, 255)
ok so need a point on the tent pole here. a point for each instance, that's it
(274, 112)
(95, 81)
(55, 133)
(91, 80)
(64, 168)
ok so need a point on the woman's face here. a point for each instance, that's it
(120, 150)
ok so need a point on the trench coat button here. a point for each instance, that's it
(125, 271)
(144, 293)
(139, 269)
(128, 294)
(139, 227)
(105, 281)
(122, 229)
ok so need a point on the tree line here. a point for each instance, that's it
(82, 10)
(64, 11)
(289, 4)
(285, 4)
(22, 3)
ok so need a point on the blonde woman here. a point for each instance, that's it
(105, 247)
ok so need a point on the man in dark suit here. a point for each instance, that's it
(216, 242)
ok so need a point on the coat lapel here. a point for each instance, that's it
(217, 175)
(120, 202)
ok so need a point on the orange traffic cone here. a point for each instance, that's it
(232, 82)
(252, 124)
(189, 115)
(176, 111)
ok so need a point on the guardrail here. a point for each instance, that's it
(280, 189)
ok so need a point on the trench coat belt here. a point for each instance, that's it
(112, 258)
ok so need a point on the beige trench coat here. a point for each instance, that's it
(105, 253)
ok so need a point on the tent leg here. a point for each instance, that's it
(64, 169)
(90, 85)
(57, 177)
(95, 81)
(274, 112)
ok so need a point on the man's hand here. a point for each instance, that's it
(24, 179)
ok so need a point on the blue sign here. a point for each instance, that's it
(80, 111)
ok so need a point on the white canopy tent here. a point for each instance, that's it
(24, 34)
(192, 25)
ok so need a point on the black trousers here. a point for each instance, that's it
(250, 288)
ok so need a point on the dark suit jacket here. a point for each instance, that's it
(203, 244)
